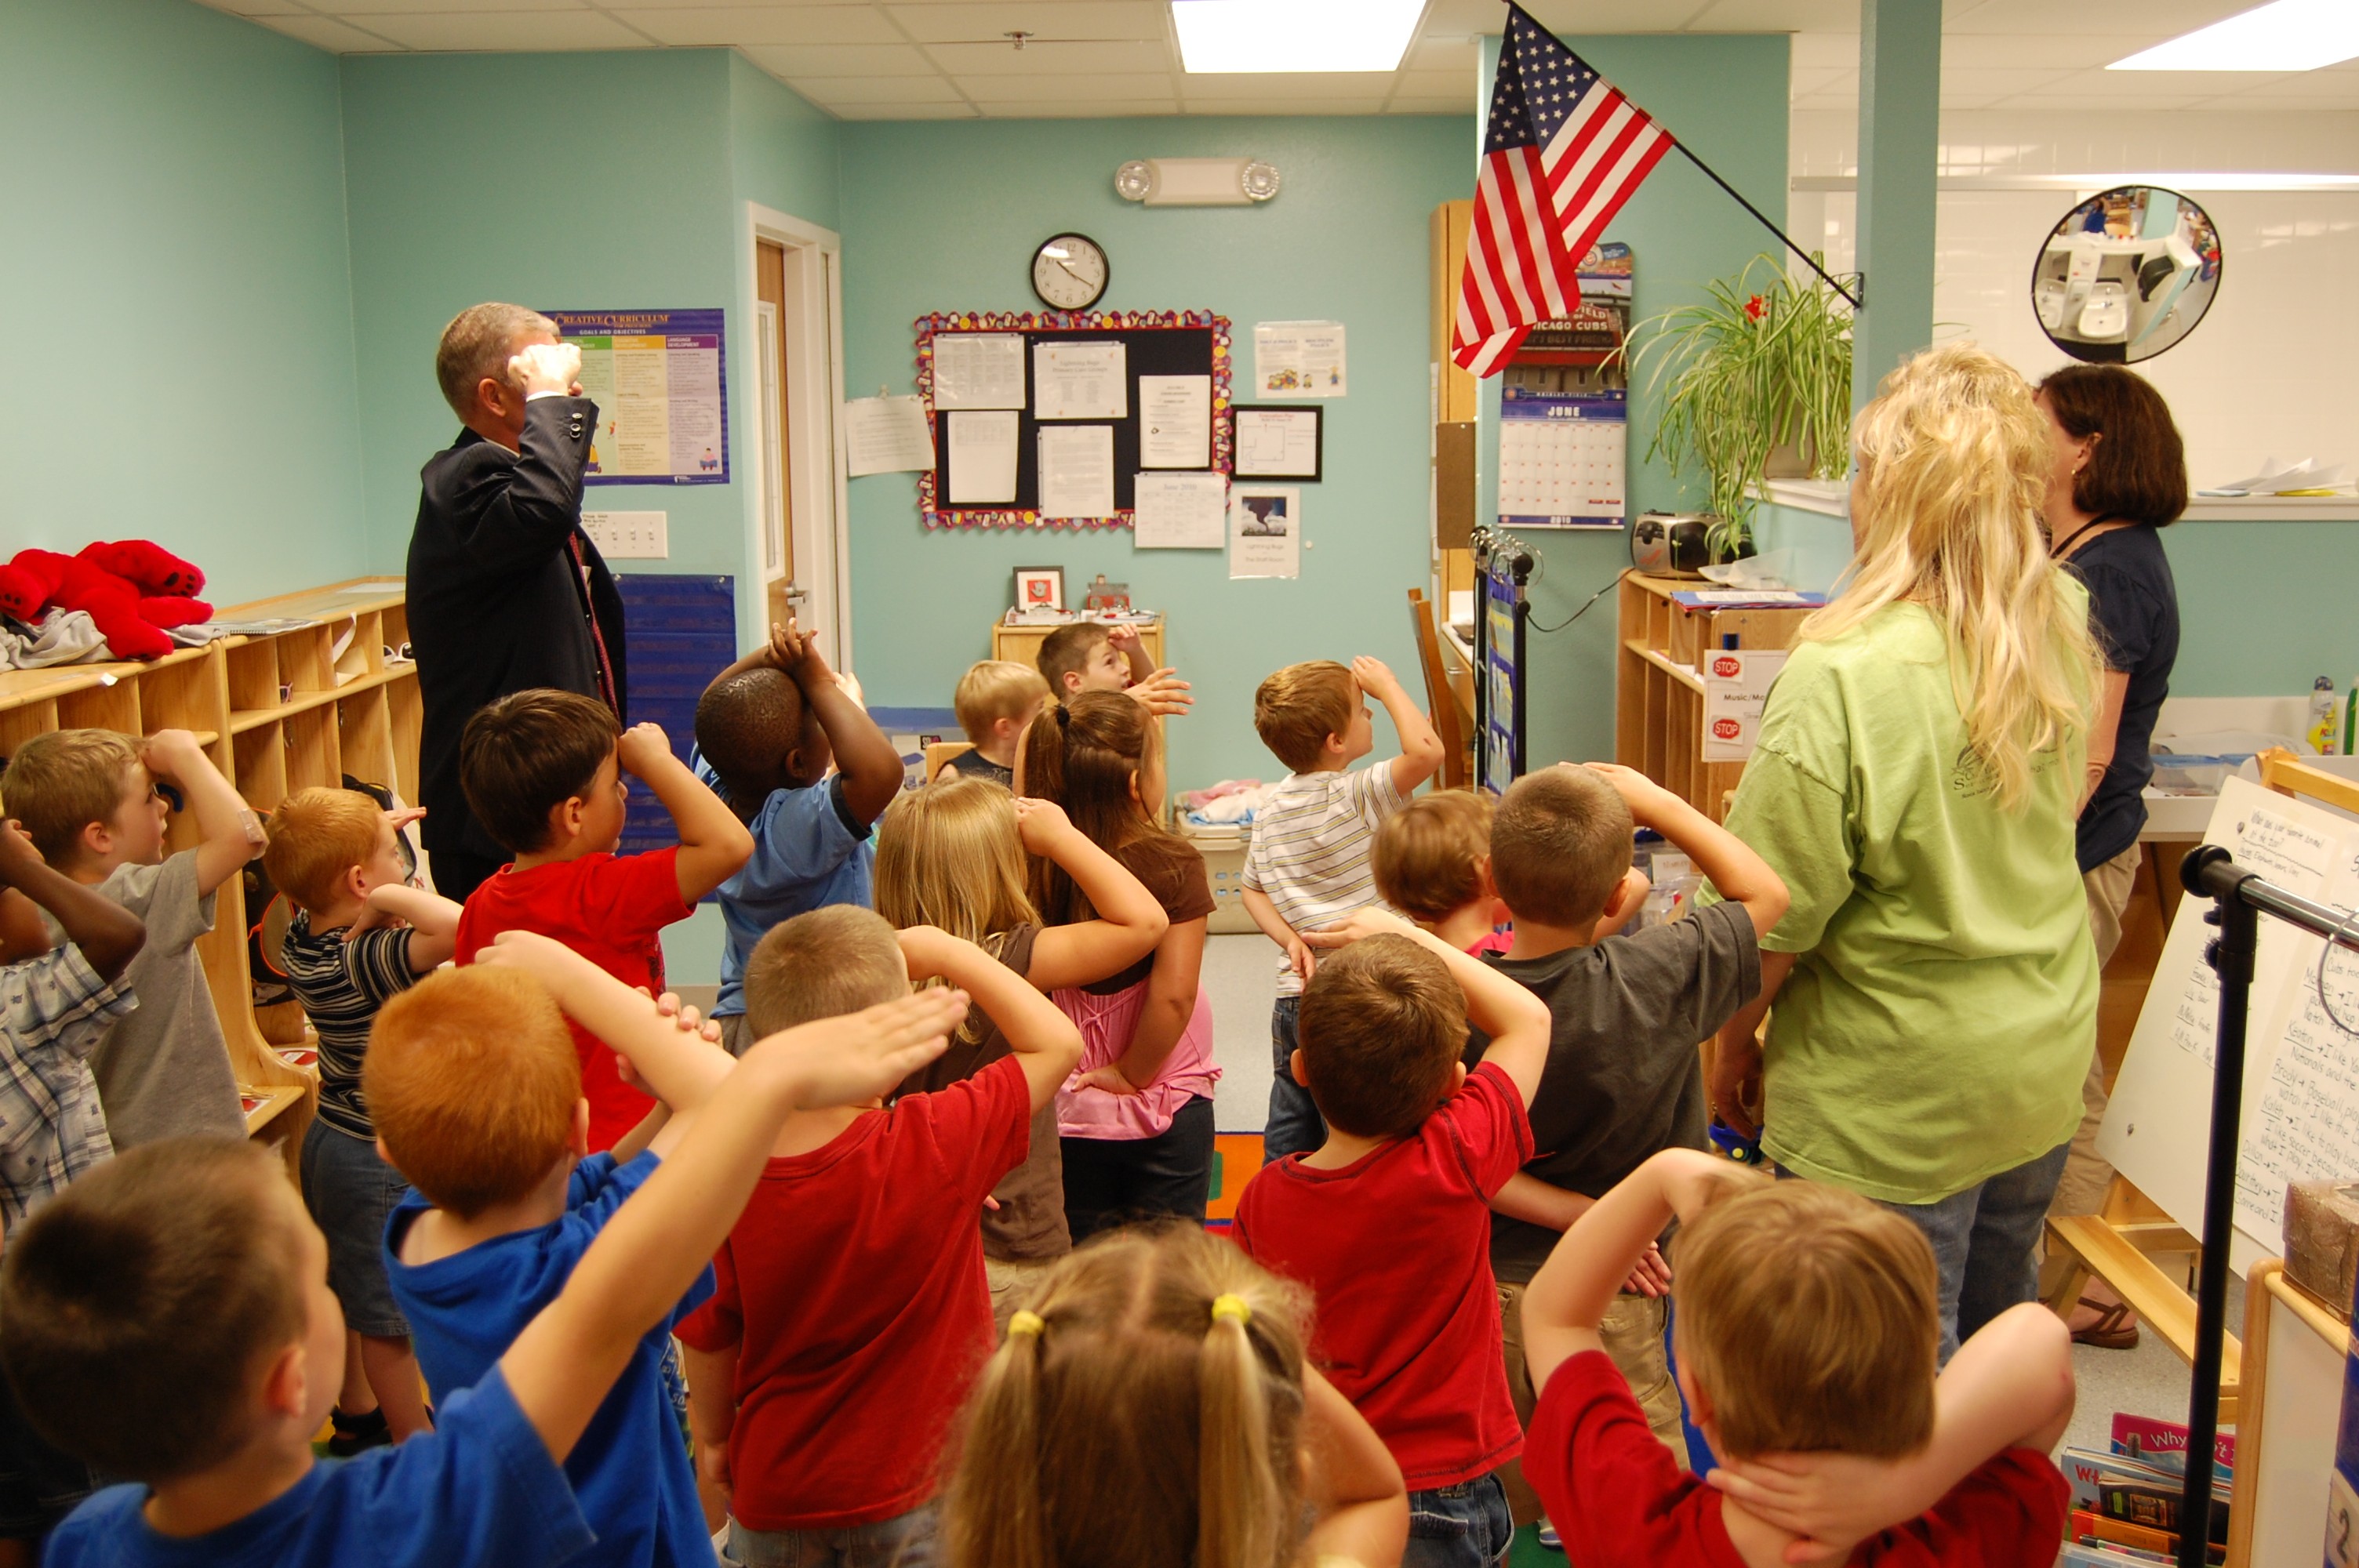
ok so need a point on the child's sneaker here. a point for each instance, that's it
(1549, 1538)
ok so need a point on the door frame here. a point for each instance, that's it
(816, 502)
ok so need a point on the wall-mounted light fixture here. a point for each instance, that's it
(1196, 181)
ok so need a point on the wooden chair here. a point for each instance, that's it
(940, 752)
(1441, 702)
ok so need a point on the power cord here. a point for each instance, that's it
(1610, 584)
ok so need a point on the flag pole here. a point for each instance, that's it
(1859, 280)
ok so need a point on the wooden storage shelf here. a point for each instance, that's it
(276, 713)
(1659, 683)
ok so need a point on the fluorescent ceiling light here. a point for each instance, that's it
(2288, 35)
(1294, 35)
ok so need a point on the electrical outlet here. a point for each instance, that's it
(629, 536)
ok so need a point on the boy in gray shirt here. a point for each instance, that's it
(89, 799)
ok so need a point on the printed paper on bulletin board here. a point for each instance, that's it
(661, 389)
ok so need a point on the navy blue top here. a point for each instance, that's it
(2134, 611)
(480, 1487)
(631, 1468)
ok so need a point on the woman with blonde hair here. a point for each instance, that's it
(953, 856)
(1915, 784)
(1151, 1405)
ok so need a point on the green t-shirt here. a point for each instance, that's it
(1937, 1025)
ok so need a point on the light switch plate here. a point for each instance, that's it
(629, 536)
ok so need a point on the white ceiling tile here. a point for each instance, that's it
(2126, 104)
(749, 25)
(504, 30)
(903, 112)
(818, 60)
(2307, 90)
(2149, 20)
(1273, 87)
(831, 92)
(1049, 58)
(1443, 54)
(1279, 103)
(1609, 16)
(1083, 109)
(1435, 85)
(256, 7)
(1462, 104)
(1063, 88)
(1837, 49)
(1815, 78)
(1463, 18)
(1999, 82)
(2060, 49)
(1775, 17)
(442, 7)
(327, 33)
(1094, 20)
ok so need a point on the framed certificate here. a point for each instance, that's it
(1278, 441)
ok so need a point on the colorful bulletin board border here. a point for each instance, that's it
(681, 421)
(1035, 323)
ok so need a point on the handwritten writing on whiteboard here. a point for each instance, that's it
(2310, 1113)
(2296, 856)
(2195, 1015)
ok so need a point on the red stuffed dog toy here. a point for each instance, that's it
(132, 591)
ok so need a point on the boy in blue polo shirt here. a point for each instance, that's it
(169, 1320)
(766, 730)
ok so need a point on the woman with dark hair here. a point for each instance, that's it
(2120, 475)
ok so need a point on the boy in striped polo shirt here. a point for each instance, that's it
(334, 854)
(1309, 866)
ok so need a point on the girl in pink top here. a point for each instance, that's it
(1137, 1118)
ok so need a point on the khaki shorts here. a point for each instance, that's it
(1633, 1332)
(1013, 1281)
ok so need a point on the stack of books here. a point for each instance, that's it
(2125, 1501)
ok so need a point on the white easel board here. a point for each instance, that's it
(2301, 1073)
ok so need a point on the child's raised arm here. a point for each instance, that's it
(2010, 1386)
(222, 814)
(1043, 1039)
(872, 768)
(561, 1366)
(109, 935)
(1515, 1020)
(1421, 756)
(1740, 875)
(713, 844)
(677, 1066)
(1354, 1485)
(1568, 1297)
(433, 922)
(1129, 923)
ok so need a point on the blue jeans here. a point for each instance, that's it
(1985, 1243)
(905, 1541)
(1295, 1126)
(1465, 1526)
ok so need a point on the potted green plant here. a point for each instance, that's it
(1758, 371)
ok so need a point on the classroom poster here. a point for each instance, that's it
(1265, 531)
(1299, 359)
(660, 386)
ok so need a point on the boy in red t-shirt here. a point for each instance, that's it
(1389, 1222)
(543, 771)
(1806, 1338)
(851, 1313)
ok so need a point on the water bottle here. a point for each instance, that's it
(2321, 731)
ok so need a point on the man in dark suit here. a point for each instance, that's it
(505, 591)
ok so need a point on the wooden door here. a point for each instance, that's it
(772, 449)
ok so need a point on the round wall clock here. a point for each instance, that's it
(1070, 272)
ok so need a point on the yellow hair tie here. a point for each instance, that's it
(1232, 1309)
(1028, 1324)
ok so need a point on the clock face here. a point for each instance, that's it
(1069, 272)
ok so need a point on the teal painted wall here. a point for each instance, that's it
(180, 348)
(2264, 607)
(1725, 96)
(618, 183)
(945, 217)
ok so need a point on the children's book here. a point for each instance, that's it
(2163, 1444)
(2116, 1487)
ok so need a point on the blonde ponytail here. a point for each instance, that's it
(1162, 1355)
(1954, 462)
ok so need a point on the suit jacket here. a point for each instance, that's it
(495, 605)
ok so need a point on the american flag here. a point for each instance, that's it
(1564, 149)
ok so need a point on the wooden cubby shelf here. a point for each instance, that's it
(1659, 683)
(277, 713)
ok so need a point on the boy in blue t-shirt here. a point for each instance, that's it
(169, 1320)
(482, 1122)
(766, 730)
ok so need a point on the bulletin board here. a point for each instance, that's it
(1155, 342)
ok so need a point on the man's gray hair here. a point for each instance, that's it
(478, 343)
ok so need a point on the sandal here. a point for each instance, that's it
(2115, 1329)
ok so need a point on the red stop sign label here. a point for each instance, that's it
(1727, 668)
(1726, 729)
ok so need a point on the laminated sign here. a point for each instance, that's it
(1736, 685)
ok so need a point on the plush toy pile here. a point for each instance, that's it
(132, 589)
